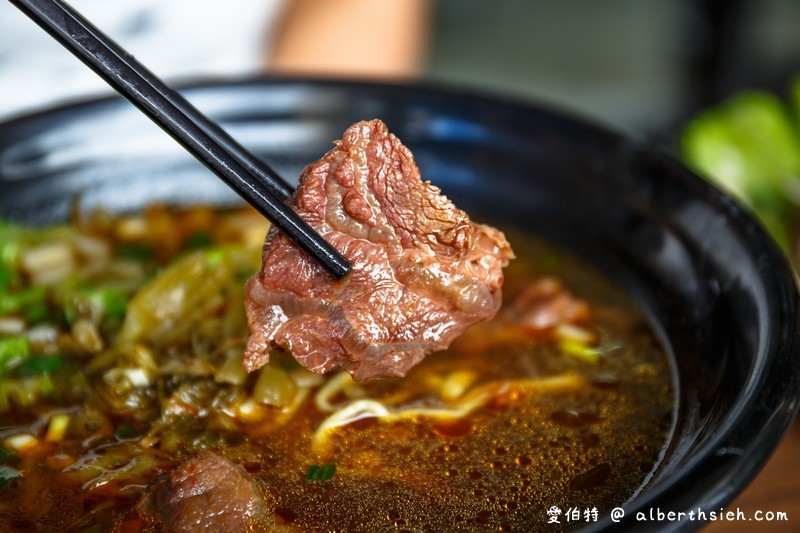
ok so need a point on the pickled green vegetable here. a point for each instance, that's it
(173, 301)
(274, 387)
(13, 352)
(45, 364)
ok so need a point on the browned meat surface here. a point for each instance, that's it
(422, 271)
(206, 493)
(545, 304)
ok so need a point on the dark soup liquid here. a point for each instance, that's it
(121, 342)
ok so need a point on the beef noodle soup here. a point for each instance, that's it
(121, 345)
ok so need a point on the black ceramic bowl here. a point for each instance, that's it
(714, 286)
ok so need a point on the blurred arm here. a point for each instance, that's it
(353, 38)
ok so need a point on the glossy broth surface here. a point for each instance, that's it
(135, 349)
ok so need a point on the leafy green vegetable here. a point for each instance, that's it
(215, 256)
(112, 301)
(321, 473)
(36, 366)
(22, 301)
(9, 255)
(750, 146)
(37, 312)
(176, 299)
(274, 387)
(24, 391)
(105, 302)
(13, 352)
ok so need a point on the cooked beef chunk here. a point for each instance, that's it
(206, 493)
(545, 304)
(541, 306)
(422, 271)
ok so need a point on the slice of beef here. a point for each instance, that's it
(545, 304)
(422, 271)
(206, 493)
(533, 314)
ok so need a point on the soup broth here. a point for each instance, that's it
(121, 344)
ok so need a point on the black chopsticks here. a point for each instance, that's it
(252, 179)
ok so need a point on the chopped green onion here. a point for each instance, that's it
(13, 352)
(7, 474)
(44, 364)
(321, 473)
(214, 256)
(39, 312)
(70, 314)
(112, 301)
(9, 256)
(20, 301)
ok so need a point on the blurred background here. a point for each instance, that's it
(642, 66)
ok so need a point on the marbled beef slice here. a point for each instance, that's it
(422, 271)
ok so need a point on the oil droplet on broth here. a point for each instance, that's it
(523, 460)
(591, 478)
